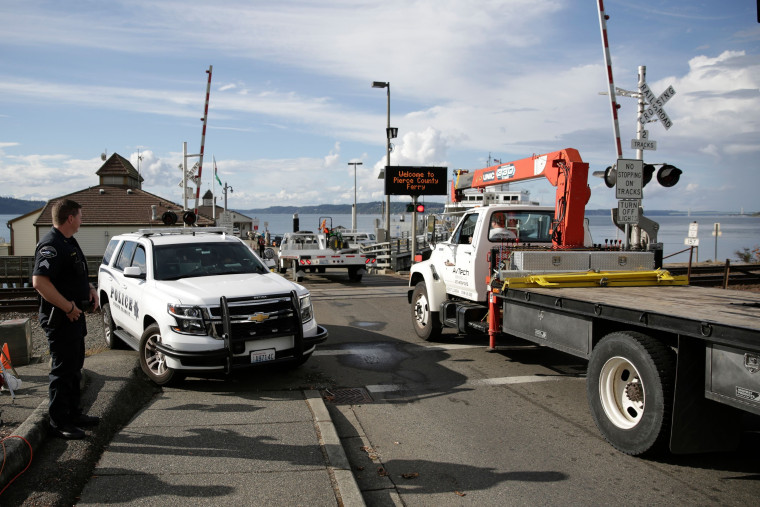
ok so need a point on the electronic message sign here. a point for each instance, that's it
(410, 180)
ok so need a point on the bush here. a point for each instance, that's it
(747, 255)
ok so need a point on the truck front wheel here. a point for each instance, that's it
(427, 323)
(629, 386)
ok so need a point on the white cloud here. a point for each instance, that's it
(332, 159)
(291, 92)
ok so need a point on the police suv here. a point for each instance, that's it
(198, 299)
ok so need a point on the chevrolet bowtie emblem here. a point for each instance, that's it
(258, 317)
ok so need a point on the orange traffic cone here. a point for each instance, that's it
(5, 356)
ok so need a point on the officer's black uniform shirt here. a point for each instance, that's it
(62, 260)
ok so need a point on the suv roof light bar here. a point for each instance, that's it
(181, 230)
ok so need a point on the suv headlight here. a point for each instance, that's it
(189, 319)
(307, 313)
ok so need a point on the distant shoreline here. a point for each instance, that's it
(18, 207)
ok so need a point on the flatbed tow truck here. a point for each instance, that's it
(316, 252)
(669, 365)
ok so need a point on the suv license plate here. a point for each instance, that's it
(262, 356)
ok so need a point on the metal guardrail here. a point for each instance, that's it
(388, 252)
(719, 274)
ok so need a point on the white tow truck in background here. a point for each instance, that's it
(316, 252)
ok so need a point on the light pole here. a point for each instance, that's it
(381, 84)
(353, 211)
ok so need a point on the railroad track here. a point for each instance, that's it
(23, 299)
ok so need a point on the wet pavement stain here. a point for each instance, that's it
(369, 325)
(376, 356)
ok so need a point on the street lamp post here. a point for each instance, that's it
(381, 84)
(353, 211)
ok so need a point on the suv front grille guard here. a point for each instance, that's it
(246, 319)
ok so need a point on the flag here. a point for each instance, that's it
(216, 175)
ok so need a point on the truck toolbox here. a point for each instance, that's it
(733, 377)
(565, 332)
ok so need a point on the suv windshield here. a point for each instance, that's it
(172, 262)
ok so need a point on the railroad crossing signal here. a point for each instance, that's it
(644, 143)
(656, 105)
(629, 178)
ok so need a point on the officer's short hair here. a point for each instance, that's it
(64, 208)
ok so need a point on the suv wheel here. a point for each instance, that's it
(153, 361)
(109, 326)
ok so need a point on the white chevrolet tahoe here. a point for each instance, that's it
(198, 299)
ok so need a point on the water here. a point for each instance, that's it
(738, 231)
(282, 223)
(5, 232)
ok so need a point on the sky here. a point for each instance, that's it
(291, 101)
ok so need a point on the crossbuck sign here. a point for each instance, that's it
(656, 104)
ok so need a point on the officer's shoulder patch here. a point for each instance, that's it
(48, 252)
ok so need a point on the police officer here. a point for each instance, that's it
(61, 277)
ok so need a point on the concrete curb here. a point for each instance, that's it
(18, 454)
(339, 466)
(33, 431)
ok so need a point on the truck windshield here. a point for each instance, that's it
(523, 226)
(172, 262)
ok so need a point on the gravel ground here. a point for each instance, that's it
(94, 341)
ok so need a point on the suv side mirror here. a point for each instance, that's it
(133, 272)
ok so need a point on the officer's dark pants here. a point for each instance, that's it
(67, 355)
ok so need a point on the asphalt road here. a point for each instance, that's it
(450, 423)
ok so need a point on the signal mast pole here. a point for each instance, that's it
(203, 138)
(610, 83)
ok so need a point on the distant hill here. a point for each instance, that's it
(376, 208)
(362, 208)
(11, 206)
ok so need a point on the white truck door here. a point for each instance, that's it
(460, 263)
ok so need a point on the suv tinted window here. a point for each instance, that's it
(110, 249)
(139, 258)
(125, 256)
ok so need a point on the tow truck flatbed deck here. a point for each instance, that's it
(724, 316)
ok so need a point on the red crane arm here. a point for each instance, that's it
(564, 169)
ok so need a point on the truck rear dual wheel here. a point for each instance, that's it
(354, 275)
(629, 386)
(427, 323)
